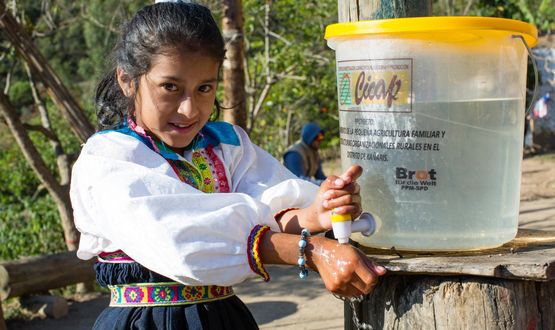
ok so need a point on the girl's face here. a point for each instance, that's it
(175, 98)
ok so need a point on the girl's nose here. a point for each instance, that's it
(187, 107)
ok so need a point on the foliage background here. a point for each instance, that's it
(77, 37)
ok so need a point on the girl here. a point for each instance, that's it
(177, 209)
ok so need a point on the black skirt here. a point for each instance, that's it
(229, 313)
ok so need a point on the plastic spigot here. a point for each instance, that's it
(343, 226)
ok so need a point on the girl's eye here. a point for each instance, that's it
(205, 88)
(170, 87)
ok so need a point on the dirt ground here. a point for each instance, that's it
(537, 211)
(538, 177)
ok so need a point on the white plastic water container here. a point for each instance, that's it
(432, 108)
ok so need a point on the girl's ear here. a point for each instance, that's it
(124, 82)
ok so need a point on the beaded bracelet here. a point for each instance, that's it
(302, 262)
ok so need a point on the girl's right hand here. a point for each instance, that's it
(345, 270)
(341, 194)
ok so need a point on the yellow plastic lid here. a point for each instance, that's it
(431, 25)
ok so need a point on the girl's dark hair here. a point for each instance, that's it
(152, 31)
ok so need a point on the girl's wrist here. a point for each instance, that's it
(294, 220)
(314, 251)
(282, 248)
(309, 219)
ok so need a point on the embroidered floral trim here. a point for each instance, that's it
(219, 168)
(253, 251)
(139, 130)
(207, 168)
(188, 173)
(165, 294)
(201, 161)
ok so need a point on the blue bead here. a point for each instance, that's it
(305, 232)
(302, 243)
(301, 261)
(303, 273)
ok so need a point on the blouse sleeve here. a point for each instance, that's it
(261, 176)
(127, 197)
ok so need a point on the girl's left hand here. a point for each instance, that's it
(340, 194)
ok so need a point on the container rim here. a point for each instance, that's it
(432, 24)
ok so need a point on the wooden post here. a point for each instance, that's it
(359, 10)
(3, 274)
(459, 302)
(233, 66)
(508, 288)
(2, 322)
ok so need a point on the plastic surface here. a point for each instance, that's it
(365, 224)
(428, 28)
(335, 217)
(436, 121)
(343, 228)
(342, 231)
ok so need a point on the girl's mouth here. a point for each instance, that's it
(181, 127)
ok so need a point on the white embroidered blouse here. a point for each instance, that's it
(127, 195)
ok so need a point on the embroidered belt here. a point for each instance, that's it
(165, 294)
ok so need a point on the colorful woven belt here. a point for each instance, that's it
(165, 294)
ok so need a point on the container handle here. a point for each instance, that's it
(536, 79)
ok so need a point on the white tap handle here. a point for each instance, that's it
(343, 227)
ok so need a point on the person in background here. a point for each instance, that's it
(539, 111)
(529, 134)
(302, 158)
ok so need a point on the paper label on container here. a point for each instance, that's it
(375, 85)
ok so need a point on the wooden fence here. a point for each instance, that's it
(42, 273)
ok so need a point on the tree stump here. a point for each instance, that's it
(459, 302)
(509, 288)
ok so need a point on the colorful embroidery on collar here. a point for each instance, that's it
(206, 173)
